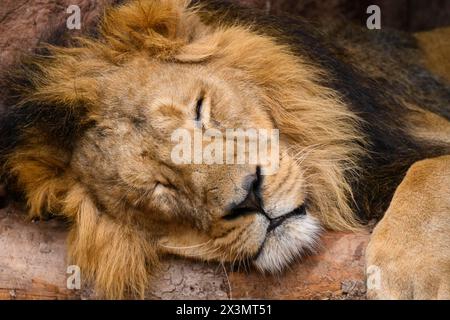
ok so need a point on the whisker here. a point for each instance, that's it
(228, 280)
(187, 247)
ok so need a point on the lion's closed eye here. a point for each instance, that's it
(198, 108)
(202, 109)
(162, 187)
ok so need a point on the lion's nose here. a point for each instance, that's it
(252, 202)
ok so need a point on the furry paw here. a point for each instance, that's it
(393, 274)
(408, 256)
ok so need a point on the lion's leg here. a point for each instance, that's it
(408, 256)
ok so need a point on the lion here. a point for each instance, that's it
(87, 138)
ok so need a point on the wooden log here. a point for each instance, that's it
(337, 272)
(33, 266)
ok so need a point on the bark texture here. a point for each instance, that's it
(33, 265)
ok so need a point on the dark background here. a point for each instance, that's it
(407, 15)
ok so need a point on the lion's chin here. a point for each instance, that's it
(290, 240)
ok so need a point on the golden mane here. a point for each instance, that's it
(324, 134)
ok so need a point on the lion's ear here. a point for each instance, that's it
(64, 78)
(159, 26)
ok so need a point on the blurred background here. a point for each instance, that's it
(406, 15)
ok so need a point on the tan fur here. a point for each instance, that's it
(141, 40)
(409, 253)
(427, 125)
(408, 256)
(436, 48)
(435, 45)
(129, 204)
(113, 254)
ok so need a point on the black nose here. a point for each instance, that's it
(252, 202)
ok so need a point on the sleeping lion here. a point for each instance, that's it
(88, 137)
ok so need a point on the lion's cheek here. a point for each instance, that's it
(224, 241)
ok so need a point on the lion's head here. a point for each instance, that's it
(98, 146)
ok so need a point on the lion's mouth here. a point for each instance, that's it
(253, 204)
(288, 237)
(278, 221)
(275, 222)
